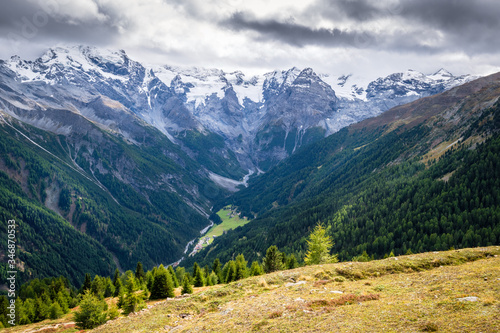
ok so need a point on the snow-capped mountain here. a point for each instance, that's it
(260, 119)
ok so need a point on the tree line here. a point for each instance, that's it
(51, 298)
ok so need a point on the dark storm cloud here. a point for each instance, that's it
(446, 14)
(423, 26)
(47, 21)
(296, 34)
(468, 25)
(453, 15)
(15, 10)
(359, 10)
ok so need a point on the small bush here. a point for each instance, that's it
(321, 283)
(263, 283)
(113, 312)
(258, 327)
(429, 327)
(276, 314)
(350, 273)
(322, 275)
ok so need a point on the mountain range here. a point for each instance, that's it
(423, 176)
(127, 159)
(262, 119)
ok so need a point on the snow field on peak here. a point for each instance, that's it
(207, 82)
(68, 57)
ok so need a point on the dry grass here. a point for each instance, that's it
(417, 293)
(347, 299)
(439, 150)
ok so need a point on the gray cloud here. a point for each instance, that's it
(469, 26)
(358, 10)
(425, 26)
(300, 35)
(47, 22)
(296, 34)
(452, 15)
(447, 14)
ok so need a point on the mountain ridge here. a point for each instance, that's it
(240, 109)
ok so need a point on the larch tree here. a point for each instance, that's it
(319, 245)
(273, 261)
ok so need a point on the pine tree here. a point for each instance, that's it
(163, 286)
(273, 260)
(256, 269)
(206, 273)
(150, 277)
(97, 286)
(29, 308)
(291, 262)
(174, 276)
(187, 288)
(133, 302)
(55, 311)
(213, 279)
(22, 316)
(118, 288)
(108, 289)
(42, 309)
(179, 272)
(363, 257)
(63, 301)
(113, 312)
(241, 267)
(131, 283)
(139, 272)
(216, 268)
(189, 277)
(198, 276)
(4, 303)
(91, 312)
(87, 283)
(319, 245)
(116, 276)
(121, 300)
(231, 272)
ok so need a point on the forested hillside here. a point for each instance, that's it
(421, 177)
(72, 218)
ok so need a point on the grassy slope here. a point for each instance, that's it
(408, 300)
(408, 293)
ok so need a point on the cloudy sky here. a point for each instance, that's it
(331, 36)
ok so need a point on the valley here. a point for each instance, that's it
(230, 220)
